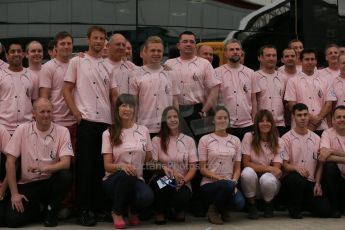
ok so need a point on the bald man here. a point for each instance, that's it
(121, 68)
(44, 150)
(206, 52)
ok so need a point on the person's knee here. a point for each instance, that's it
(145, 197)
(248, 174)
(12, 220)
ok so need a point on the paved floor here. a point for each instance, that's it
(238, 222)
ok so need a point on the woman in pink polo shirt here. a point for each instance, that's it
(262, 161)
(220, 165)
(126, 146)
(176, 152)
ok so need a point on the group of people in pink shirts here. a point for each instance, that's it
(115, 139)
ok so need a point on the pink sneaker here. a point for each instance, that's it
(120, 224)
(134, 220)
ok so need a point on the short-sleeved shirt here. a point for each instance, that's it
(91, 77)
(17, 90)
(302, 150)
(155, 90)
(181, 151)
(37, 148)
(52, 77)
(3, 65)
(330, 139)
(338, 84)
(194, 79)
(4, 138)
(329, 73)
(287, 75)
(314, 91)
(267, 156)
(236, 89)
(271, 94)
(220, 155)
(121, 74)
(135, 143)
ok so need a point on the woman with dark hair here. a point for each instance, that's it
(126, 147)
(176, 152)
(262, 161)
(220, 165)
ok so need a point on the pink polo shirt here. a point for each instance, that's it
(35, 78)
(52, 77)
(121, 75)
(37, 148)
(271, 94)
(17, 90)
(338, 85)
(302, 150)
(220, 155)
(155, 90)
(265, 158)
(92, 87)
(236, 88)
(194, 79)
(3, 65)
(4, 138)
(135, 143)
(330, 139)
(181, 152)
(313, 91)
(329, 73)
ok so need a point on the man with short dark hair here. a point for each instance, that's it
(17, 90)
(87, 92)
(302, 184)
(271, 86)
(310, 88)
(196, 80)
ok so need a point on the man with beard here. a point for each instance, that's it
(87, 92)
(237, 90)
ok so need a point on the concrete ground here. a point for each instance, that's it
(238, 221)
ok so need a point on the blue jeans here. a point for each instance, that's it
(220, 193)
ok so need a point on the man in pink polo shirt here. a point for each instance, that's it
(271, 86)
(310, 88)
(45, 152)
(196, 80)
(154, 87)
(331, 55)
(87, 92)
(121, 68)
(338, 83)
(17, 90)
(237, 90)
(129, 51)
(302, 182)
(34, 55)
(51, 81)
(332, 151)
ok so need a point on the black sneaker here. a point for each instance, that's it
(268, 210)
(252, 212)
(51, 218)
(87, 218)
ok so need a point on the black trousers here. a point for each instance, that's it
(334, 186)
(47, 192)
(168, 197)
(300, 194)
(89, 166)
(127, 191)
